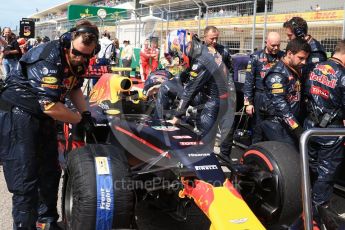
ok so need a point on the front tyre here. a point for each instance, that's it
(273, 189)
(80, 194)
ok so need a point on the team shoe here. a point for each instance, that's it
(48, 226)
(329, 217)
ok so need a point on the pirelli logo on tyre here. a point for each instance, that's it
(49, 80)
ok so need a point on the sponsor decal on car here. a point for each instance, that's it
(205, 167)
(102, 165)
(166, 128)
(182, 137)
(239, 221)
(199, 154)
(105, 193)
(191, 143)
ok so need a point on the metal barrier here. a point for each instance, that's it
(306, 190)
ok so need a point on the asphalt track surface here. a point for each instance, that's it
(148, 216)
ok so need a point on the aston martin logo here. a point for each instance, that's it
(239, 221)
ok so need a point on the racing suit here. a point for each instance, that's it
(173, 89)
(170, 90)
(226, 135)
(145, 62)
(260, 62)
(210, 77)
(154, 59)
(29, 141)
(225, 56)
(317, 55)
(325, 90)
(281, 108)
(156, 78)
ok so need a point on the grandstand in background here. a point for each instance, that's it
(234, 17)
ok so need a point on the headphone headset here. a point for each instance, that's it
(66, 38)
(195, 46)
(299, 32)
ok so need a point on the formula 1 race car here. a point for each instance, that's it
(132, 156)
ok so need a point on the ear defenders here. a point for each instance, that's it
(66, 38)
(195, 45)
(299, 32)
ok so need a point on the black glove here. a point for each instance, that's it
(298, 132)
(88, 122)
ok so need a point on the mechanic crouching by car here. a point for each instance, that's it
(283, 93)
(34, 95)
(325, 91)
(209, 76)
(260, 62)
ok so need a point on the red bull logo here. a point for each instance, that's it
(69, 82)
(323, 79)
(200, 191)
(325, 69)
(265, 68)
(223, 205)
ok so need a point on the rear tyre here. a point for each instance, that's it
(80, 194)
(273, 192)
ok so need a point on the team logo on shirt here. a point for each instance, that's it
(292, 123)
(265, 67)
(49, 86)
(45, 71)
(218, 59)
(277, 86)
(315, 90)
(195, 67)
(249, 67)
(49, 80)
(193, 74)
(324, 74)
(69, 82)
